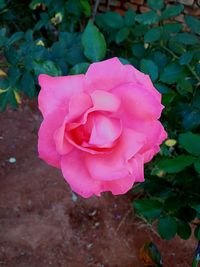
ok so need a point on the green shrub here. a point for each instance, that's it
(59, 38)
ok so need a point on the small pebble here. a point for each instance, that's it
(74, 197)
(22, 253)
(118, 216)
(12, 160)
(93, 213)
(89, 245)
(97, 224)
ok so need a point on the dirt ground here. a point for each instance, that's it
(41, 224)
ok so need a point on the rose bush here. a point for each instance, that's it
(100, 128)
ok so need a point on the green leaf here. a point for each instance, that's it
(12, 55)
(197, 166)
(160, 59)
(121, 35)
(124, 61)
(3, 100)
(173, 27)
(2, 4)
(162, 88)
(176, 47)
(28, 84)
(197, 68)
(13, 75)
(196, 207)
(193, 23)
(197, 232)
(171, 73)
(177, 164)
(139, 30)
(149, 208)
(149, 67)
(79, 68)
(152, 35)
(129, 17)
(167, 227)
(112, 19)
(183, 230)
(94, 43)
(190, 142)
(186, 58)
(46, 67)
(14, 38)
(74, 52)
(3, 38)
(186, 38)
(8, 97)
(168, 98)
(191, 119)
(147, 18)
(196, 99)
(86, 7)
(174, 203)
(155, 4)
(138, 50)
(28, 36)
(12, 98)
(172, 11)
(184, 86)
(73, 7)
(34, 4)
(43, 22)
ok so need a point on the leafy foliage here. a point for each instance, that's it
(58, 37)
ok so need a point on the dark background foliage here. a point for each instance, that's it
(60, 37)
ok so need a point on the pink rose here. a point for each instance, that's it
(100, 128)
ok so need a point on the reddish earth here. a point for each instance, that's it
(40, 224)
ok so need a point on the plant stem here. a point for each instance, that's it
(4, 65)
(194, 73)
(170, 52)
(97, 2)
(196, 259)
(188, 66)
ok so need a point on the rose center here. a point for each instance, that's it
(98, 132)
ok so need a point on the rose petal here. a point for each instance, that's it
(118, 186)
(149, 154)
(142, 79)
(122, 186)
(115, 165)
(77, 175)
(105, 131)
(137, 102)
(104, 75)
(105, 101)
(108, 74)
(155, 135)
(62, 145)
(77, 133)
(79, 104)
(137, 163)
(46, 144)
(56, 91)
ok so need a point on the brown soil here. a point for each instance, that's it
(40, 224)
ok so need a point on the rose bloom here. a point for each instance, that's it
(100, 128)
